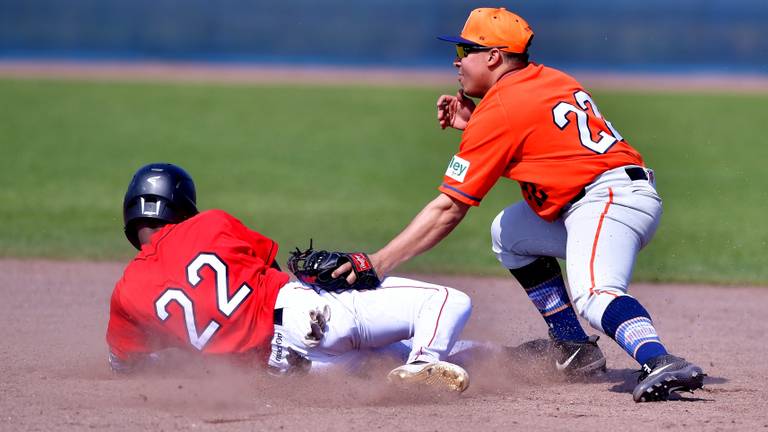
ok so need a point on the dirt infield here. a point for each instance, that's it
(55, 376)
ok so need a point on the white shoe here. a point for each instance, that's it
(439, 374)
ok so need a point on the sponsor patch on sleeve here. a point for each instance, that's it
(457, 169)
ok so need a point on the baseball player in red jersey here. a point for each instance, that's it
(205, 282)
(589, 199)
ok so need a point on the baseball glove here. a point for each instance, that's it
(314, 268)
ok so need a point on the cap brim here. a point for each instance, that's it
(458, 40)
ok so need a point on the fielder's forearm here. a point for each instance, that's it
(427, 229)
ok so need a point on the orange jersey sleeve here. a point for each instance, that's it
(487, 147)
(537, 126)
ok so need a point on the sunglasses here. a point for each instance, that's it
(465, 50)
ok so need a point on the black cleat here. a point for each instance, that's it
(578, 358)
(664, 375)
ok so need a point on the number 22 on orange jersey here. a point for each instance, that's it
(560, 116)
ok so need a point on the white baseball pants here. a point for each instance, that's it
(599, 236)
(431, 316)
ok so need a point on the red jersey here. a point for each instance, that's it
(204, 283)
(540, 127)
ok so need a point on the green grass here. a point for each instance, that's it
(350, 167)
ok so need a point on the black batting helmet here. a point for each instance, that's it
(158, 192)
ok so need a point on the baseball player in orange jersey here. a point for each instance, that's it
(588, 199)
(205, 282)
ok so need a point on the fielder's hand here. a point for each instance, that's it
(454, 111)
(320, 269)
(346, 270)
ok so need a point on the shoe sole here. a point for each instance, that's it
(687, 379)
(439, 375)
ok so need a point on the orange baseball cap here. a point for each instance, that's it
(492, 27)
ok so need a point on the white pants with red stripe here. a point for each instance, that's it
(599, 236)
(430, 316)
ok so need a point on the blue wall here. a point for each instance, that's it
(721, 35)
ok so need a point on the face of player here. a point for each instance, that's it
(474, 73)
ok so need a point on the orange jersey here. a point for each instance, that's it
(540, 127)
(205, 283)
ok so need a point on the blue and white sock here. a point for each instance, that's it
(630, 325)
(544, 284)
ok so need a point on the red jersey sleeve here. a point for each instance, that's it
(487, 147)
(124, 337)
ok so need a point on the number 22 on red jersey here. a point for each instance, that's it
(225, 304)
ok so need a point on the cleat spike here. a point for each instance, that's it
(665, 375)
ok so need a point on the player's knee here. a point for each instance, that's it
(460, 302)
(496, 232)
(505, 241)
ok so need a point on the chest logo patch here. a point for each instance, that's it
(457, 169)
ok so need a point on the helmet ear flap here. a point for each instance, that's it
(132, 233)
(133, 227)
(144, 211)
